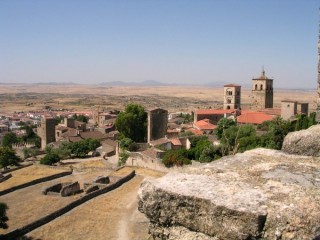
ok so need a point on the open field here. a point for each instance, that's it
(28, 174)
(85, 97)
(110, 216)
(113, 215)
(29, 204)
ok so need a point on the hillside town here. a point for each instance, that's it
(125, 161)
(165, 131)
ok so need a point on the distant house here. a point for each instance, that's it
(290, 108)
(205, 126)
(214, 115)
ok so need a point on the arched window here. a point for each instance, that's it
(228, 107)
(261, 87)
(228, 100)
(256, 87)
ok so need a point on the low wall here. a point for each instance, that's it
(141, 160)
(34, 182)
(17, 168)
(5, 177)
(28, 228)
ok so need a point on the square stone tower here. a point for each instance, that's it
(47, 131)
(262, 92)
(231, 96)
(157, 124)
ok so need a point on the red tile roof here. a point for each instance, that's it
(176, 142)
(215, 111)
(195, 131)
(205, 125)
(254, 117)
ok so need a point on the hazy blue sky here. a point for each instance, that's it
(174, 41)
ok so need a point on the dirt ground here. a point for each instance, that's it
(113, 215)
(28, 174)
(28, 204)
(85, 97)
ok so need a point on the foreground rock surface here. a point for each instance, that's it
(260, 194)
(304, 142)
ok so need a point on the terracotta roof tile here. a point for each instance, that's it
(205, 125)
(176, 142)
(254, 117)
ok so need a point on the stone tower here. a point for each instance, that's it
(232, 96)
(47, 131)
(157, 124)
(262, 92)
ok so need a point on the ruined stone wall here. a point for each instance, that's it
(141, 160)
(36, 181)
(28, 228)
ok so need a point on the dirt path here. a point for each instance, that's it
(111, 216)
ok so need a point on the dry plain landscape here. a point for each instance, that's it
(77, 97)
(113, 215)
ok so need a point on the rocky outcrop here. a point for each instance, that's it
(304, 142)
(260, 194)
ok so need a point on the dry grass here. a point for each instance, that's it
(28, 174)
(84, 97)
(29, 204)
(111, 216)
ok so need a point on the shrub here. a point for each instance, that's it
(50, 159)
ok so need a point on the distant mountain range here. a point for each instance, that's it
(151, 83)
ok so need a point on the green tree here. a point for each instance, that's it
(9, 139)
(81, 118)
(123, 157)
(278, 129)
(8, 157)
(132, 122)
(80, 149)
(312, 119)
(50, 159)
(92, 144)
(223, 124)
(29, 152)
(3, 216)
(209, 153)
(175, 158)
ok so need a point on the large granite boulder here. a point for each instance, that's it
(260, 194)
(304, 142)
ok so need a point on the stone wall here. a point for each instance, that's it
(259, 194)
(34, 182)
(28, 228)
(141, 160)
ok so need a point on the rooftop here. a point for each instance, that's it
(254, 117)
(215, 111)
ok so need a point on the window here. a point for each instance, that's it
(261, 87)
(256, 87)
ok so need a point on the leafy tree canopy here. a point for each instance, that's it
(8, 139)
(81, 118)
(132, 122)
(176, 158)
(8, 157)
(50, 159)
(223, 124)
